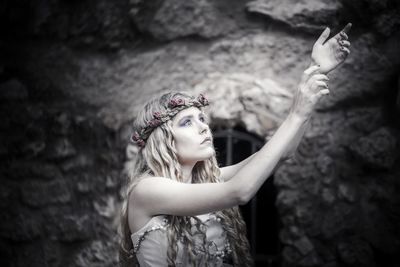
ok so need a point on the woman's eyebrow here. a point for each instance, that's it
(190, 116)
(187, 116)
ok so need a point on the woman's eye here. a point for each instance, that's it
(187, 123)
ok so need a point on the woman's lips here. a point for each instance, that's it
(208, 139)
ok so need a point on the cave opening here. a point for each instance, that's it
(233, 145)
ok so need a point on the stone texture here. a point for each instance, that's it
(379, 232)
(378, 149)
(382, 16)
(38, 193)
(60, 148)
(291, 255)
(34, 170)
(80, 23)
(171, 19)
(117, 77)
(8, 194)
(52, 253)
(83, 185)
(304, 245)
(106, 207)
(20, 227)
(239, 98)
(13, 90)
(290, 234)
(347, 192)
(356, 252)
(304, 15)
(76, 163)
(398, 95)
(30, 253)
(310, 260)
(97, 253)
(49, 145)
(69, 227)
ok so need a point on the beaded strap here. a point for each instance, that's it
(163, 225)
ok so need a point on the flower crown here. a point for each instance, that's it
(175, 105)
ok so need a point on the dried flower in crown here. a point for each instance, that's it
(157, 115)
(174, 106)
(137, 139)
(176, 102)
(203, 100)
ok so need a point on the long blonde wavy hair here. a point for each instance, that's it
(160, 159)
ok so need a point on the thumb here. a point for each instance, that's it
(324, 35)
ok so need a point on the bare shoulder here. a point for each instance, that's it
(143, 188)
(146, 188)
(150, 184)
(138, 214)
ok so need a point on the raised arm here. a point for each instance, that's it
(228, 172)
(328, 54)
(251, 176)
(164, 196)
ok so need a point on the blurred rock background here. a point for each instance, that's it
(74, 73)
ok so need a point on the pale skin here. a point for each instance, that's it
(159, 195)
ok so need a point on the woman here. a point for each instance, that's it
(181, 208)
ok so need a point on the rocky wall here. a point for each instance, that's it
(60, 180)
(73, 75)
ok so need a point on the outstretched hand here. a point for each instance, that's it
(333, 52)
(312, 87)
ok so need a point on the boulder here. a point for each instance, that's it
(306, 15)
(240, 98)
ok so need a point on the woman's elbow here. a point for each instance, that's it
(244, 199)
(240, 193)
(243, 196)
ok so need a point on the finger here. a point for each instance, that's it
(347, 28)
(316, 86)
(344, 43)
(345, 50)
(308, 73)
(322, 93)
(324, 35)
(319, 85)
(314, 99)
(320, 77)
(311, 69)
(343, 35)
(317, 77)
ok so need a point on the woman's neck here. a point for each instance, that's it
(187, 172)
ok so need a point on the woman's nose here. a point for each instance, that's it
(202, 127)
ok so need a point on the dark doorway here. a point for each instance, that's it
(234, 145)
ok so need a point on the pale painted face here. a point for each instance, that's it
(190, 129)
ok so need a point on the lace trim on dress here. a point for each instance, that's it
(212, 249)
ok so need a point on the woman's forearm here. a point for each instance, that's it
(250, 177)
(291, 150)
